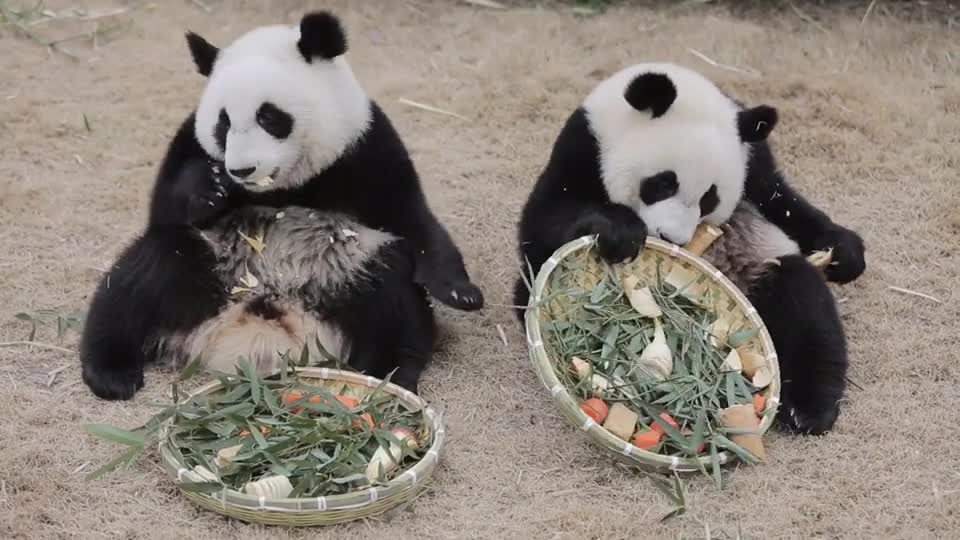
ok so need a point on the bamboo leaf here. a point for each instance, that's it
(192, 369)
(121, 462)
(251, 374)
(743, 453)
(201, 487)
(742, 337)
(715, 464)
(117, 435)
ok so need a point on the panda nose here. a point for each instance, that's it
(242, 173)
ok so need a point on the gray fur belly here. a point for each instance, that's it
(278, 266)
(748, 247)
(303, 251)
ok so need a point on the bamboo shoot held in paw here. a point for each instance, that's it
(386, 460)
(621, 421)
(656, 356)
(702, 238)
(641, 299)
(744, 417)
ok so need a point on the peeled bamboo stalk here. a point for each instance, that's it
(702, 238)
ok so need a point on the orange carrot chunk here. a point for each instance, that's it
(595, 408)
(647, 439)
(348, 402)
(759, 404)
(655, 426)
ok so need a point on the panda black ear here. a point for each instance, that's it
(653, 91)
(321, 35)
(204, 54)
(756, 124)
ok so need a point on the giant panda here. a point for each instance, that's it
(286, 213)
(656, 149)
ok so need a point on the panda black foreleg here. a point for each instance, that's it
(162, 283)
(391, 326)
(441, 270)
(809, 226)
(621, 234)
(798, 309)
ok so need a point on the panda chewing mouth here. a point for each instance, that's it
(265, 181)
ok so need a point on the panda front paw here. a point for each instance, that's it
(621, 234)
(209, 196)
(847, 263)
(815, 420)
(113, 385)
(461, 295)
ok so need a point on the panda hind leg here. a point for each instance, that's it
(392, 328)
(163, 283)
(799, 310)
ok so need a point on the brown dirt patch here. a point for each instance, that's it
(869, 131)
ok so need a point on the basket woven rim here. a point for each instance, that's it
(569, 405)
(400, 488)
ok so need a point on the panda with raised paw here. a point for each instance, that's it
(656, 149)
(286, 213)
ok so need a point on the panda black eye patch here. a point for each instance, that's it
(709, 201)
(221, 129)
(274, 121)
(659, 187)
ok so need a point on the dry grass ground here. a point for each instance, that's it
(870, 122)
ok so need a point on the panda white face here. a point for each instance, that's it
(673, 147)
(281, 102)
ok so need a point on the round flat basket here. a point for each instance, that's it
(314, 511)
(658, 256)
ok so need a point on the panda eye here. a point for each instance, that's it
(221, 129)
(709, 201)
(659, 187)
(274, 121)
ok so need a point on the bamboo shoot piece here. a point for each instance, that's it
(641, 299)
(581, 368)
(621, 421)
(762, 377)
(385, 460)
(702, 238)
(656, 356)
(270, 487)
(744, 417)
(751, 361)
(732, 362)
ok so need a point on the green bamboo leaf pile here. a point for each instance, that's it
(283, 425)
(599, 326)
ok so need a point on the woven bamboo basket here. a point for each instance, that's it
(313, 511)
(728, 301)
